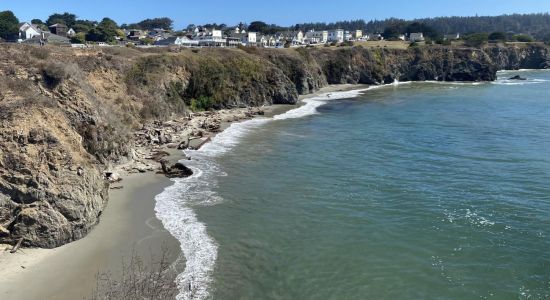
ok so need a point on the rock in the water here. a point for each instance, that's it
(517, 77)
(177, 170)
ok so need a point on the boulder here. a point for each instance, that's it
(112, 176)
(517, 77)
(177, 170)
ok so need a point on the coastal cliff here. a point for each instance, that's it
(68, 115)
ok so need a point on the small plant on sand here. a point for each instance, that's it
(154, 281)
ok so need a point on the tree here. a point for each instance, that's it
(37, 22)
(523, 38)
(258, 26)
(84, 25)
(105, 31)
(9, 25)
(476, 39)
(79, 38)
(149, 24)
(394, 29)
(65, 18)
(497, 36)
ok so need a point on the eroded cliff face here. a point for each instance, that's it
(535, 56)
(66, 115)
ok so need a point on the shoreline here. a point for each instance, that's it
(128, 224)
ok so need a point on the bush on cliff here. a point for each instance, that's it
(476, 39)
(55, 72)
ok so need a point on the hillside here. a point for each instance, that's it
(66, 115)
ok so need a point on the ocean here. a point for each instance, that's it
(408, 191)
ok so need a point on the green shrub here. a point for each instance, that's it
(476, 39)
(201, 104)
(523, 38)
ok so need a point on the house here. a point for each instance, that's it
(416, 37)
(59, 29)
(248, 39)
(336, 36)
(48, 38)
(266, 41)
(402, 37)
(71, 32)
(251, 38)
(158, 34)
(357, 34)
(316, 37)
(232, 41)
(182, 41)
(28, 31)
(295, 38)
(135, 34)
(212, 38)
(347, 36)
(451, 37)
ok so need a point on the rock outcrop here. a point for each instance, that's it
(68, 115)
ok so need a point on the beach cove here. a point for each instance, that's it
(128, 226)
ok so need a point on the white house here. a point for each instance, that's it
(450, 37)
(316, 37)
(71, 32)
(212, 38)
(182, 41)
(402, 37)
(251, 38)
(336, 35)
(28, 31)
(416, 37)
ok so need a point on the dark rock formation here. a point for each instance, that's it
(517, 77)
(531, 56)
(177, 170)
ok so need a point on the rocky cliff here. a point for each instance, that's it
(66, 115)
(531, 56)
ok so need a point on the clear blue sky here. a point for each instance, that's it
(283, 12)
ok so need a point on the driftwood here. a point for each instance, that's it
(16, 247)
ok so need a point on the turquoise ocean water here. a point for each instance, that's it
(409, 191)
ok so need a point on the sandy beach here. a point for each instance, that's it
(127, 225)
(69, 272)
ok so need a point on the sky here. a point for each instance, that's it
(282, 12)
